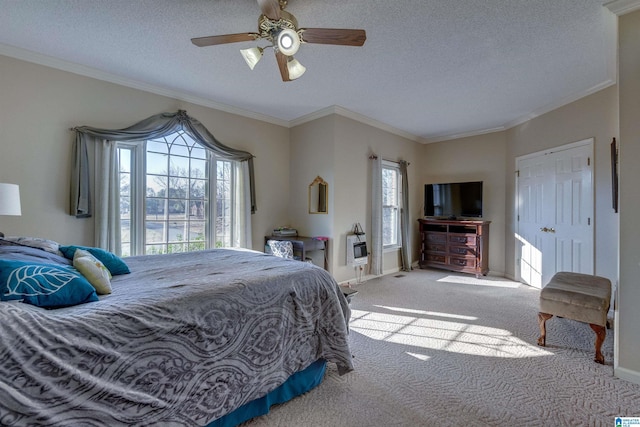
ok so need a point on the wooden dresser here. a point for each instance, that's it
(455, 245)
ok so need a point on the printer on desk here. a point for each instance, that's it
(285, 232)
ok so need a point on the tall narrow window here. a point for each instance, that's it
(166, 186)
(391, 189)
(125, 156)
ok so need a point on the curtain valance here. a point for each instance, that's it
(157, 126)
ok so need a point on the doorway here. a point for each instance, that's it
(554, 213)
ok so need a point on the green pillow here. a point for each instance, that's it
(111, 261)
(44, 285)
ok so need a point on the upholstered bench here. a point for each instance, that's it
(580, 297)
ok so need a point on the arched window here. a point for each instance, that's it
(166, 189)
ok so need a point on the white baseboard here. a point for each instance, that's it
(367, 277)
(627, 374)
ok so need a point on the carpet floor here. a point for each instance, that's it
(434, 348)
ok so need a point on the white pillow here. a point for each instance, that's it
(93, 270)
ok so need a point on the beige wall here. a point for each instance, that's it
(355, 142)
(478, 158)
(628, 312)
(312, 153)
(337, 148)
(594, 116)
(38, 105)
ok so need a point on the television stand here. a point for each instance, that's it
(455, 245)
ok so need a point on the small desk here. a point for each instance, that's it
(302, 245)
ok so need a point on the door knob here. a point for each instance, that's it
(548, 230)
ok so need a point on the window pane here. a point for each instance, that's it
(155, 249)
(197, 209)
(179, 166)
(389, 187)
(389, 226)
(157, 185)
(155, 231)
(155, 207)
(198, 168)
(124, 167)
(157, 163)
(178, 230)
(390, 201)
(157, 146)
(198, 153)
(178, 148)
(125, 184)
(124, 160)
(197, 235)
(198, 189)
(177, 209)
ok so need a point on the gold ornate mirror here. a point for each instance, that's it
(318, 196)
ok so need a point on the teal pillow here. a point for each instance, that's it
(114, 264)
(44, 285)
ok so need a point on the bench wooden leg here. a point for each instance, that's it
(601, 333)
(542, 318)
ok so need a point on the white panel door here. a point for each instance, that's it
(554, 213)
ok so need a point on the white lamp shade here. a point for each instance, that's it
(252, 55)
(10, 199)
(295, 68)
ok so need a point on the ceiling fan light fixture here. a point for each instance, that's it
(288, 41)
(252, 55)
(295, 68)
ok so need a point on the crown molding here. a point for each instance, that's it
(440, 138)
(48, 61)
(523, 119)
(341, 111)
(621, 7)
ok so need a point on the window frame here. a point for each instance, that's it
(137, 194)
(395, 167)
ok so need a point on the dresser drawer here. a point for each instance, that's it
(435, 247)
(463, 239)
(440, 259)
(437, 237)
(463, 250)
(462, 262)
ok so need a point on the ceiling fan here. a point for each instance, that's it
(281, 29)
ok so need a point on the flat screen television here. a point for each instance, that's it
(453, 200)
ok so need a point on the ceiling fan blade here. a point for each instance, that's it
(282, 64)
(270, 8)
(334, 36)
(226, 38)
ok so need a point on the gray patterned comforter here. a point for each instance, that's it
(181, 341)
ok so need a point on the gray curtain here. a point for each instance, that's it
(376, 215)
(405, 226)
(80, 194)
(154, 127)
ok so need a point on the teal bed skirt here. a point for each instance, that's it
(297, 384)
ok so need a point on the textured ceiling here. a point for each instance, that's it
(429, 70)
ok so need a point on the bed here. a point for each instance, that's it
(207, 338)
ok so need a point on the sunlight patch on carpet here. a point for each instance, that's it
(481, 281)
(428, 313)
(442, 335)
(422, 357)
